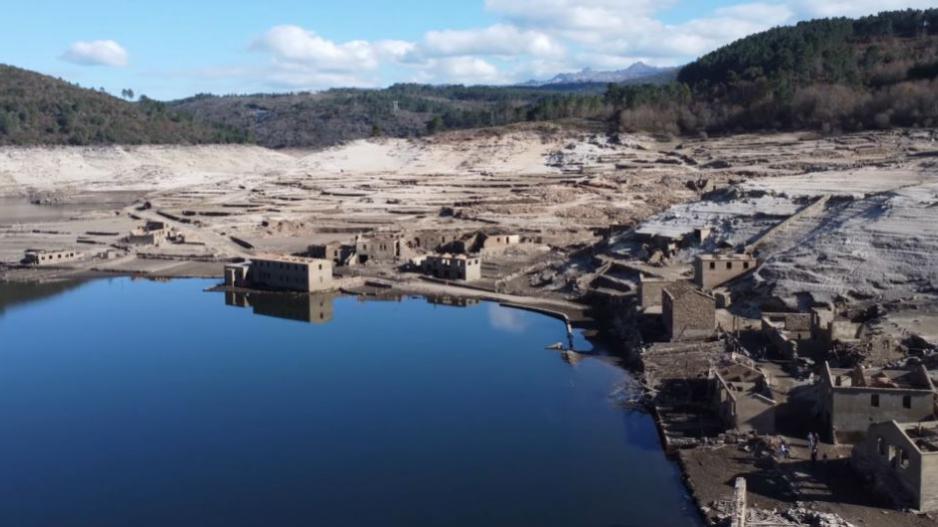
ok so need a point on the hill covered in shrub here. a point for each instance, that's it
(829, 74)
(37, 109)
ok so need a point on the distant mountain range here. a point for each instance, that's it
(638, 72)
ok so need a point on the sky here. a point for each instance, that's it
(170, 49)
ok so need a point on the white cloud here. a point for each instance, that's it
(581, 15)
(535, 39)
(499, 39)
(295, 45)
(96, 53)
(394, 49)
(301, 59)
(507, 319)
(464, 70)
(607, 29)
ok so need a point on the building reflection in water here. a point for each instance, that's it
(315, 308)
(454, 301)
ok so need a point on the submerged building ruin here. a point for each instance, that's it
(290, 273)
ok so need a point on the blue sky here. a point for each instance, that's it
(175, 48)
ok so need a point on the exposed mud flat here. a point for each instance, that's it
(553, 186)
(563, 190)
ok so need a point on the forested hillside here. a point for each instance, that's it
(833, 74)
(36, 109)
(402, 110)
(830, 75)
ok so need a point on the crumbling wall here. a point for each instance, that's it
(893, 466)
(755, 413)
(383, 247)
(688, 314)
(928, 478)
(326, 251)
(497, 243)
(650, 291)
(741, 406)
(852, 410)
(843, 331)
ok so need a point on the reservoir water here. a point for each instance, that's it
(130, 402)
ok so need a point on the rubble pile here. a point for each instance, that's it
(721, 513)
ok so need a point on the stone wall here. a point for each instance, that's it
(382, 247)
(714, 270)
(650, 291)
(889, 460)
(850, 410)
(687, 313)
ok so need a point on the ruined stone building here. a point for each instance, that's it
(498, 243)
(151, 233)
(338, 252)
(714, 270)
(742, 397)
(853, 399)
(661, 243)
(386, 247)
(649, 290)
(687, 312)
(237, 275)
(291, 273)
(901, 462)
(431, 241)
(789, 333)
(488, 244)
(42, 257)
(452, 267)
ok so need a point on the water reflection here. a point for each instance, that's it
(15, 294)
(313, 308)
(453, 301)
(507, 319)
(316, 308)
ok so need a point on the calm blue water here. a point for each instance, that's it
(141, 403)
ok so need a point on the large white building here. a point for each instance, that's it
(291, 273)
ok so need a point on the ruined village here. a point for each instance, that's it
(776, 291)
